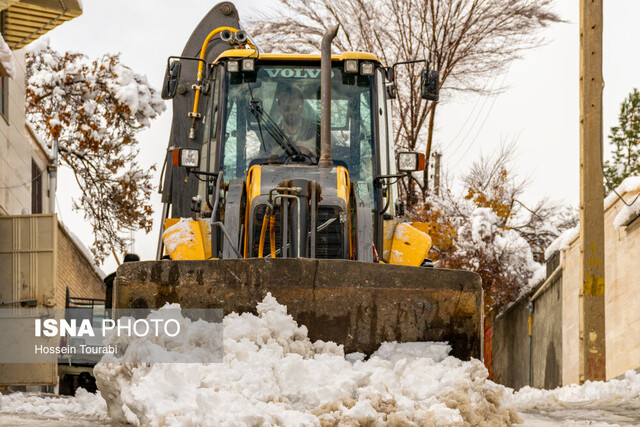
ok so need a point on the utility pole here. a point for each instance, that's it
(436, 172)
(591, 303)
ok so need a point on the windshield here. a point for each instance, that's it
(274, 116)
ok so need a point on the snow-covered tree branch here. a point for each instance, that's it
(95, 110)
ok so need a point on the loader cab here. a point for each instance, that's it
(263, 104)
(281, 86)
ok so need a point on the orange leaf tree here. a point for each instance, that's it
(94, 109)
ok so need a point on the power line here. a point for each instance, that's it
(24, 183)
(483, 122)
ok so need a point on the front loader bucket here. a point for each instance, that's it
(359, 305)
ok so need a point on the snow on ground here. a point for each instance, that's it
(272, 374)
(615, 402)
(84, 404)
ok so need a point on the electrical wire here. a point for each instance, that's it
(24, 183)
(483, 122)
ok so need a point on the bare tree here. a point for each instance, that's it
(465, 40)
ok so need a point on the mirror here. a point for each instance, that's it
(171, 77)
(429, 85)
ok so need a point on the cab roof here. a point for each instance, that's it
(244, 53)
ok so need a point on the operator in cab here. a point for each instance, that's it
(303, 132)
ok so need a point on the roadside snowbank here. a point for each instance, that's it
(84, 404)
(273, 374)
(612, 392)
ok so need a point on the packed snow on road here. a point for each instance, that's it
(272, 374)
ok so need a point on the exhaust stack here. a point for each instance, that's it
(325, 98)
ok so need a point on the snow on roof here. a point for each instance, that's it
(6, 58)
(36, 46)
(83, 249)
(43, 145)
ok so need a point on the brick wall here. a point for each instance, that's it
(75, 271)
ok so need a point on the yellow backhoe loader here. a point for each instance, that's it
(281, 177)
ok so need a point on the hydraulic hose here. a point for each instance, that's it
(263, 233)
(272, 236)
(203, 52)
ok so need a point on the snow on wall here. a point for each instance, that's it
(563, 241)
(272, 374)
(6, 58)
(629, 185)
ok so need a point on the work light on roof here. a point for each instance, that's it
(351, 66)
(233, 66)
(248, 64)
(366, 68)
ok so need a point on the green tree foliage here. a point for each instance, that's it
(625, 141)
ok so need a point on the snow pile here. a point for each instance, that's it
(624, 392)
(6, 58)
(84, 404)
(199, 343)
(273, 374)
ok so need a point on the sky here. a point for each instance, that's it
(538, 110)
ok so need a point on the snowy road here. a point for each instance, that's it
(272, 374)
(590, 414)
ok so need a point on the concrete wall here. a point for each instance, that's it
(511, 346)
(622, 299)
(622, 293)
(546, 357)
(75, 271)
(15, 149)
(513, 366)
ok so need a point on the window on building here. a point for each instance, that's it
(36, 188)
